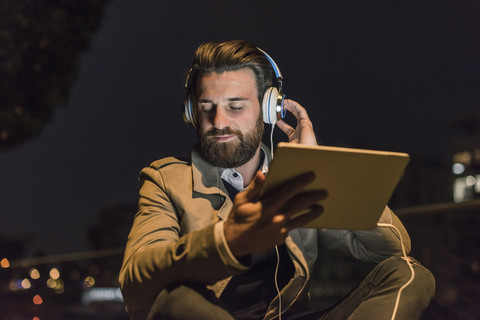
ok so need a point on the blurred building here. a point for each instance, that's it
(423, 183)
(465, 158)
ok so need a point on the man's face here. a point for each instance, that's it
(230, 126)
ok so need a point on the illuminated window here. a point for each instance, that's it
(464, 157)
(466, 188)
(101, 295)
(476, 156)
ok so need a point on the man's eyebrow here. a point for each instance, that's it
(238, 99)
(228, 99)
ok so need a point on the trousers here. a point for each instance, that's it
(374, 298)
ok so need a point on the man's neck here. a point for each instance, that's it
(249, 169)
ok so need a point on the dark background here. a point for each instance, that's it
(391, 75)
(90, 93)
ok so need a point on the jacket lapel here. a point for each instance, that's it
(207, 180)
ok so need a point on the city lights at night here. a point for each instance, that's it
(4, 263)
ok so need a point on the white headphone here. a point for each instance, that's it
(272, 103)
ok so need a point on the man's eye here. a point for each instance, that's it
(236, 107)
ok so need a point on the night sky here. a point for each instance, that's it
(389, 75)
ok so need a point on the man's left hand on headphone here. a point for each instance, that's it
(303, 133)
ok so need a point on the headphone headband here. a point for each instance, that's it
(275, 68)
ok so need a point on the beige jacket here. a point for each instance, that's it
(173, 237)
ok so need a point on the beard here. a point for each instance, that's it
(235, 153)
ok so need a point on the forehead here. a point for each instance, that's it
(242, 79)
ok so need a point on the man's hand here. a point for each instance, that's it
(303, 133)
(255, 225)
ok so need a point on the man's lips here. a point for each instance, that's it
(223, 137)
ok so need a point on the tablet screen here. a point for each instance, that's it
(359, 182)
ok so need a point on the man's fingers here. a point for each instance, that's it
(303, 201)
(296, 109)
(286, 128)
(303, 219)
(303, 132)
(278, 197)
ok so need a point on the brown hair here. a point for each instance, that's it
(230, 56)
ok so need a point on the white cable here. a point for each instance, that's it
(276, 247)
(407, 260)
(271, 140)
(276, 285)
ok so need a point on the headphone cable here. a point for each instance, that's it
(276, 284)
(271, 140)
(276, 247)
(407, 260)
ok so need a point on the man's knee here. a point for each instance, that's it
(417, 281)
(423, 283)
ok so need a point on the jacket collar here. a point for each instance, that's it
(207, 178)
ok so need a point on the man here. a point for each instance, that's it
(205, 245)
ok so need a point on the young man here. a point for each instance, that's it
(205, 245)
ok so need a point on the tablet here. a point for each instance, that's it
(359, 182)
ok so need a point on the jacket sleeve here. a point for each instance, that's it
(157, 254)
(374, 245)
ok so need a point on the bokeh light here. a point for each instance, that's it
(4, 263)
(26, 284)
(51, 283)
(37, 300)
(12, 285)
(34, 274)
(89, 282)
(54, 273)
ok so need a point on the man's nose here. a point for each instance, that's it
(220, 119)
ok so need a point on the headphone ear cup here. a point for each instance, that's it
(188, 115)
(269, 105)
